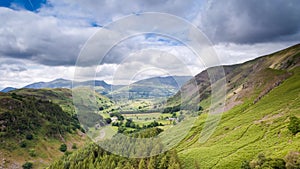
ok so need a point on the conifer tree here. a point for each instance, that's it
(142, 164)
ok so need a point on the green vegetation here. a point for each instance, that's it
(33, 123)
(63, 147)
(260, 128)
(291, 161)
(294, 125)
(27, 116)
(258, 122)
(32, 152)
(27, 165)
(93, 156)
(74, 146)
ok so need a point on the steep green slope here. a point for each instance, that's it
(262, 94)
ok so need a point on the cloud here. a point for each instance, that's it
(231, 53)
(16, 73)
(50, 37)
(40, 39)
(251, 21)
(107, 11)
(12, 66)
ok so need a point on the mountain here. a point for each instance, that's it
(58, 83)
(262, 98)
(100, 86)
(174, 81)
(259, 128)
(8, 89)
(63, 83)
(156, 87)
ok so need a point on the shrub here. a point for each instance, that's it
(23, 144)
(74, 146)
(121, 129)
(27, 165)
(63, 148)
(108, 120)
(245, 165)
(294, 125)
(292, 160)
(29, 136)
(67, 153)
(32, 153)
(274, 163)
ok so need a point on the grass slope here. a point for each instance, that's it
(258, 123)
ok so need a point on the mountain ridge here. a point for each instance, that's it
(261, 97)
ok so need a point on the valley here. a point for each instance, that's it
(256, 130)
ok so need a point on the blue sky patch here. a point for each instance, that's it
(31, 5)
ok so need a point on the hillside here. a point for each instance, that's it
(255, 131)
(35, 122)
(261, 96)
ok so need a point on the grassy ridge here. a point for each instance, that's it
(248, 129)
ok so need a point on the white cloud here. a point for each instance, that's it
(231, 53)
(30, 72)
(44, 45)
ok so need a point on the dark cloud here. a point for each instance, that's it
(55, 34)
(252, 21)
(12, 66)
(40, 39)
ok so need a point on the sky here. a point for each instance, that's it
(40, 40)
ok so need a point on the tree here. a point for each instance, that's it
(128, 166)
(163, 163)
(142, 164)
(74, 146)
(152, 163)
(108, 120)
(32, 152)
(23, 144)
(27, 165)
(245, 165)
(274, 163)
(63, 147)
(292, 160)
(294, 125)
(121, 129)
(173, 162)
(29, 136)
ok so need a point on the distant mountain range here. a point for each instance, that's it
(8, 89)
(63, 83)
(152, 87)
